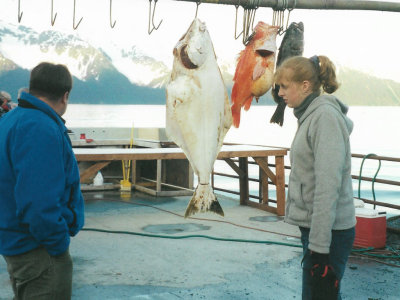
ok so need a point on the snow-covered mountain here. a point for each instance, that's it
(23, 47)
(109, 74)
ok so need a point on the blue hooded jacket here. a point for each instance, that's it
(40, 198)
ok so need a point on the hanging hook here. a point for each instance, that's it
(19, 11)
(288, 16)
(52, 19)
(151, 16)
(73, 24)
(278, 18)
(111, 23)
(248, 21)
(237, 8)
(197, 8)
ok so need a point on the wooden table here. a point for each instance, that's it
(103, 156)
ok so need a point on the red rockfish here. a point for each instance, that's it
(254, 69)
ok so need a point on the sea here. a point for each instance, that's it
(376, 131)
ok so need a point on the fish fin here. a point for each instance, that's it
(234, 94)
(258, 70)
(279, 114)
(227, 113)
(203, 200)
(227, 121)
(248, 101)
(240, 64)
(236, 115)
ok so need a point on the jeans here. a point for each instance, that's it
(341, 245)
(38, 275)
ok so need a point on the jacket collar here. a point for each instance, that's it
(332, 101)
(27, 100)
(301, 109)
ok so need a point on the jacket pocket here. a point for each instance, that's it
(297, 209)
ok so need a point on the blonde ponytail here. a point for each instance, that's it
(327, 75)
(318, 70)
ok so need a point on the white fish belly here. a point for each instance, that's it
(195, 117)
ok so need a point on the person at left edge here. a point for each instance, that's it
(41, 202)
(5, 100)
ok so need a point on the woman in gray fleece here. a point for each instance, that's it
(320, 195)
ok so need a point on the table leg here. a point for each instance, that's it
(280, 185)
(244, 180)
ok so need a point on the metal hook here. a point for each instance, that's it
(289, 11)
(248, 21)
(197, 8)
(278, 18)
(52, 19)
(111, 23)
(151, 16)
(19, 11)
(237, 36)
(73, 24)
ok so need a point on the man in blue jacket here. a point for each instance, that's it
(41, 202)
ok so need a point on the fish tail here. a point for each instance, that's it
(279, 113)
(236, 115)
(203, 200)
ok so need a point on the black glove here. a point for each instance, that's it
(325, 284)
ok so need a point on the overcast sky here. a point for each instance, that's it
(366, 40)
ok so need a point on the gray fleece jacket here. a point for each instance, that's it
(320, 195)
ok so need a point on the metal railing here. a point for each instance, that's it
(374, 179)
(359, 178)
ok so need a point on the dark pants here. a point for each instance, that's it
(341, 245)
(38, 275)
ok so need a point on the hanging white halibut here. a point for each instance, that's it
(198, 111)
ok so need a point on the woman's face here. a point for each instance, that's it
(292, 92)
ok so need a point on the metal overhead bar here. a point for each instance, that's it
(313, 4)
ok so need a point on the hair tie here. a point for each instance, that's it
(315, 61)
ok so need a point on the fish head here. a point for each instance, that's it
(296, 30)
(264, 40)
(293, 41)
(195, 46)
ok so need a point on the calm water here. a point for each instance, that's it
(376, 130)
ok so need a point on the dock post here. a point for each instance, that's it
(244, 180)
(280, 185)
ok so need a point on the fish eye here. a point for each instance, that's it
(186, 60)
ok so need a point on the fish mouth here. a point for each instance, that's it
(300, 26)
(186, 60)
(264, 52)
(267, 48)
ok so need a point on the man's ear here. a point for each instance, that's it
(65, 98)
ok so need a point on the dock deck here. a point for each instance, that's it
(126, 266)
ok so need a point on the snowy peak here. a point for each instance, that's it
(140, 68)
(23, 47)
(26, 48)
(6, 64)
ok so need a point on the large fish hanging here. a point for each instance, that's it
(292, 45)
(254, 70)
(198, 113)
